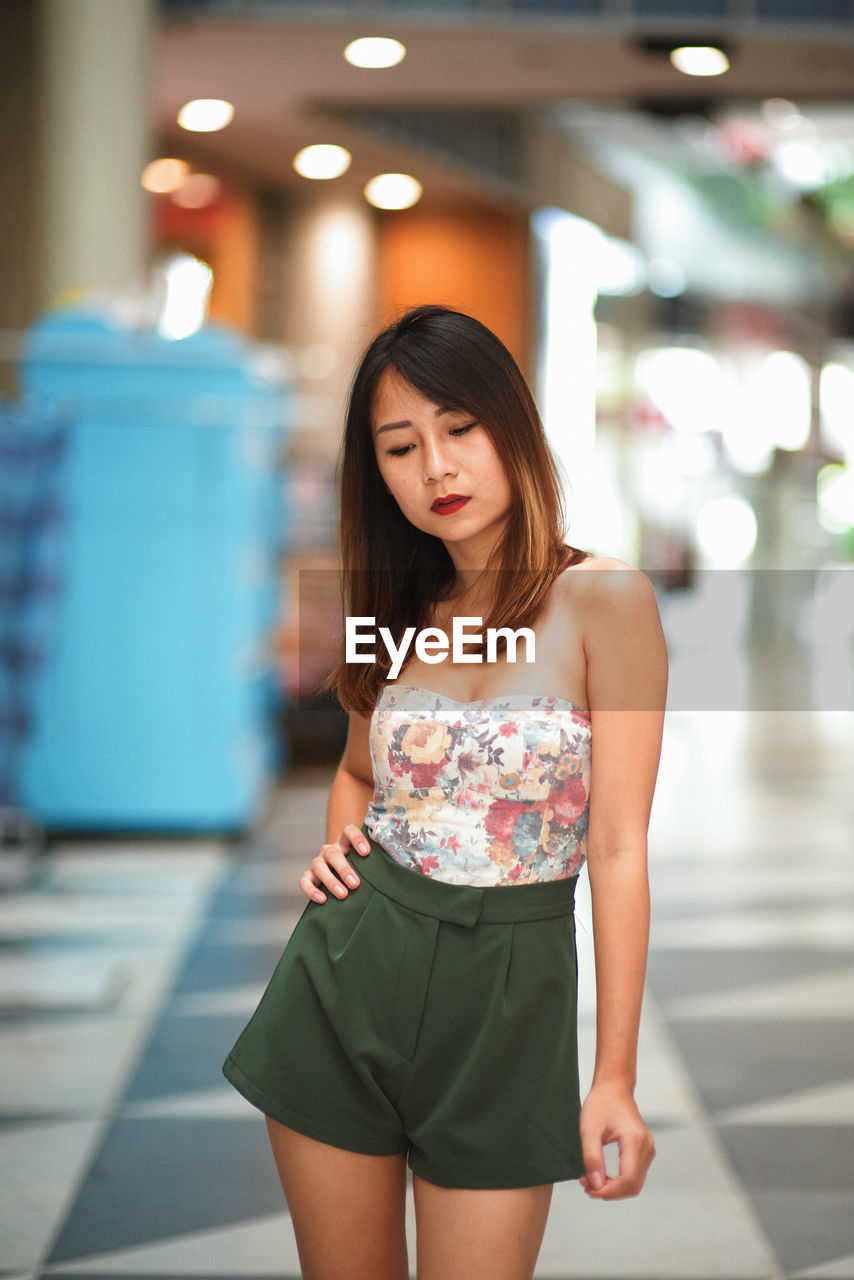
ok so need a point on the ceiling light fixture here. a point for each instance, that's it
(164, 175)
(322, 161)
(375, 51)
(699, 60)
(393, 191)
(205, 115)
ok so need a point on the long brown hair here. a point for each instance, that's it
(394, 572)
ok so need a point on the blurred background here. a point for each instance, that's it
(210, 207)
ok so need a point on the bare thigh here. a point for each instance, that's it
(347, 1209)
(479, 1235)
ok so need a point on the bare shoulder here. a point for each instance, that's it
(605, 564)
(623, 639)
(605, 583)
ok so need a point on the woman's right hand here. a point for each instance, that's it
(331, 867)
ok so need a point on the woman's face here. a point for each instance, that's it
(442, 469)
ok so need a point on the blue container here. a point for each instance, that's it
(155, 709)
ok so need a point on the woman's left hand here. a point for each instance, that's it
(610, 1114)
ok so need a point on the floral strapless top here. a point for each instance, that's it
(482, 793)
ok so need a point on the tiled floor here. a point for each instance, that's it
(127, 970)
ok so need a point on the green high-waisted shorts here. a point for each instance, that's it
(427, 1019)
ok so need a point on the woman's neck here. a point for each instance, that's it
(472, 593)
(466, 582)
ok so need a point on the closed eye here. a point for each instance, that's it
(402, 449)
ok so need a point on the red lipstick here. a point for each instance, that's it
(449, 504)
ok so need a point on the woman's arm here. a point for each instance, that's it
(349, 797)
(627, 686)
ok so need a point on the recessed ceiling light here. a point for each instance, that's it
(205, 115)
(699, 60)
(375, 51)
(164, 175)
(393, 191)
(323, 160)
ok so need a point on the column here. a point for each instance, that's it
(94, 72)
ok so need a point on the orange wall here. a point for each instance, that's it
(473, 259)
(235, 266)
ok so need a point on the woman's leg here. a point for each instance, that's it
(347, 1209)
(479, 1235)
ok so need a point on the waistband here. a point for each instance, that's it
(462, 903)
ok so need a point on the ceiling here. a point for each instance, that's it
(291, 86)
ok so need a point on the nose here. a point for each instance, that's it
(438, 462)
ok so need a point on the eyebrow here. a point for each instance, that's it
(405, 422)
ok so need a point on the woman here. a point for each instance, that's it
(424, 1009)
